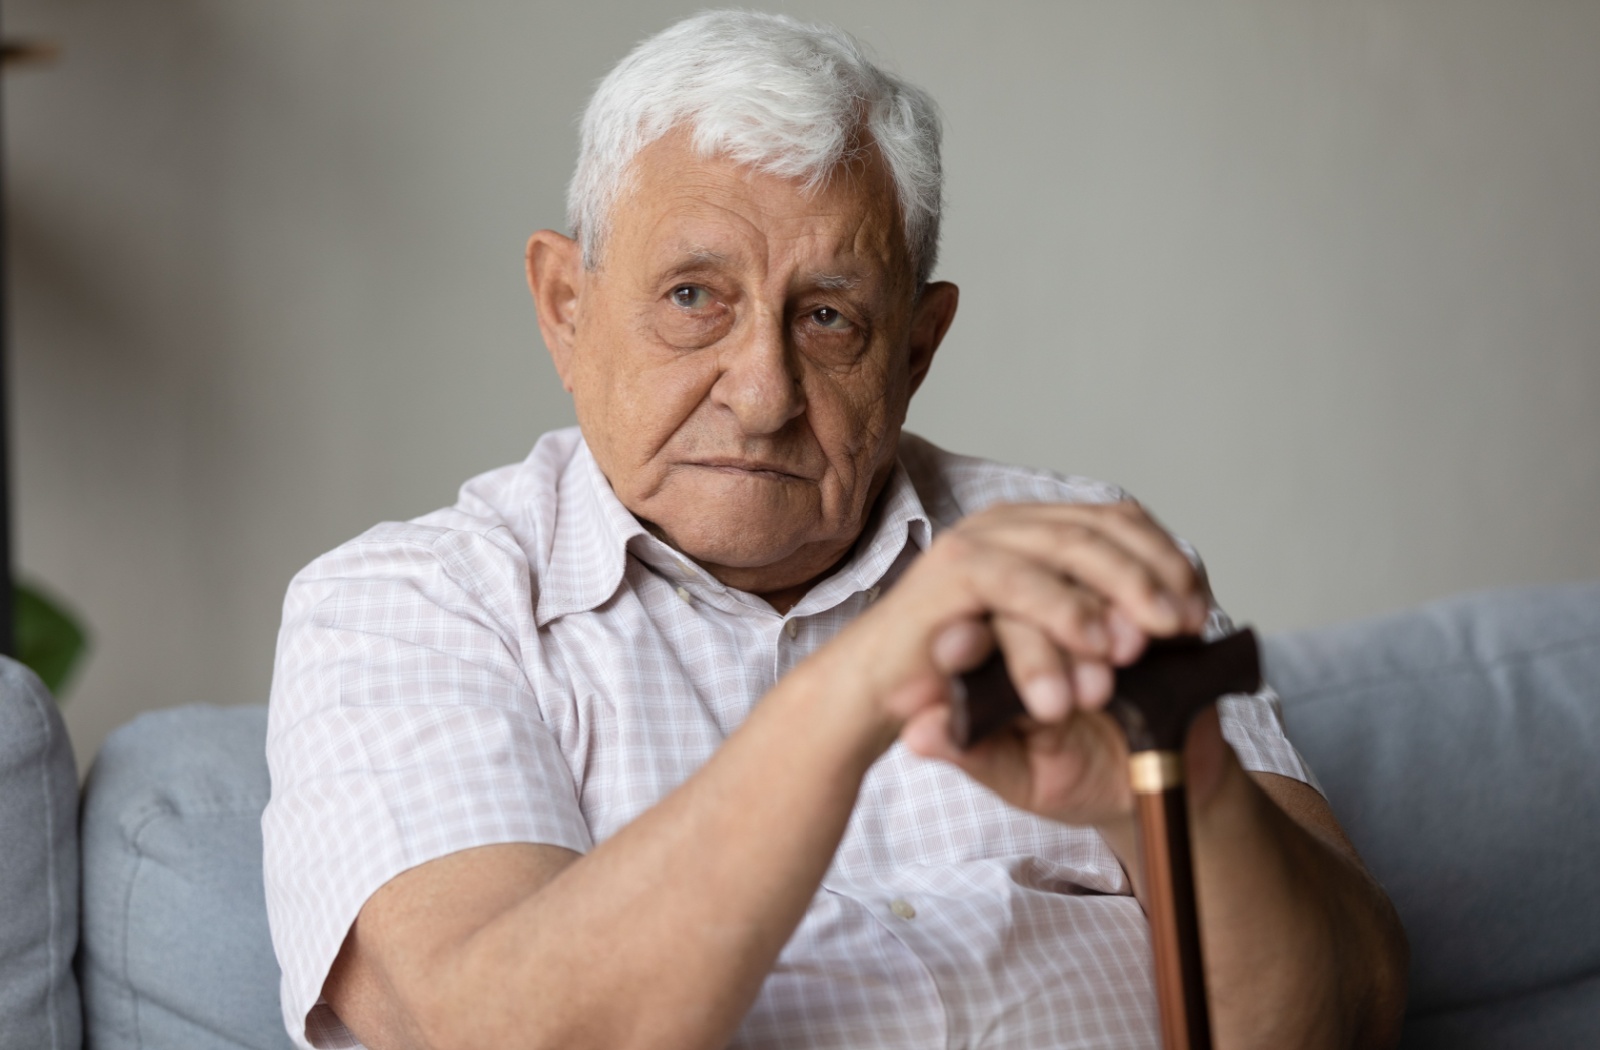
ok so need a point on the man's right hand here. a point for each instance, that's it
(1068, 592)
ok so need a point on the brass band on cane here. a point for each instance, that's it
(1153, 772)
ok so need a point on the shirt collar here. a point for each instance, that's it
(588, 552)
(898, 520)
(594, 534)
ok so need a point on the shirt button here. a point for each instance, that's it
(902, 908)
(792, 629)
(683, 592)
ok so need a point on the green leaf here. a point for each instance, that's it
(49, 640)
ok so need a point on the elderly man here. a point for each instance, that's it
(644, 742)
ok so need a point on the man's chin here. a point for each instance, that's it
(755, 556)
(762, 538)
(750, 550)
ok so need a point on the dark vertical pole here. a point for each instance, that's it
(8, 631)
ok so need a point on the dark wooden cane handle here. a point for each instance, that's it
(985, 704)
(1154, 698)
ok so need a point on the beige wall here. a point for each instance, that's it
(1320, 282)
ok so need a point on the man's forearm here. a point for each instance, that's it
(663, 934)
(1301, 947)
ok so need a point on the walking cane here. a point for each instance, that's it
(1154, 701)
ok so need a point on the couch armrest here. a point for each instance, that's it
(38, 868)
(176, 952)
(1457, 743)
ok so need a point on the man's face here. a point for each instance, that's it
(742, 357)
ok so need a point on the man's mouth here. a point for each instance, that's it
(749, 468)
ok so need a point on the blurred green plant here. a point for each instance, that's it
(49, 639)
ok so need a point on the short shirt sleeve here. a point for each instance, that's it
(402, 728)
(1252, 723)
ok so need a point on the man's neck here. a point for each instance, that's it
(786, 597)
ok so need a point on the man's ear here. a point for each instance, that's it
(930, 320)
(555, 277)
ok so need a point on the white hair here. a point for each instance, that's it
(787, 98)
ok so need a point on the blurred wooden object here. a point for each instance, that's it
(15, 53)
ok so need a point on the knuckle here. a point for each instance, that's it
(1181, 570)
(991, 514)
(1028, 651)
(952, 545)
(1146, 586)
(1068, 624)
(1072, 533)
(1073, 616)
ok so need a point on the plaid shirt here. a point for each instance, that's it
(531, 665)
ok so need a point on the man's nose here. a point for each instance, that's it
(760, 382)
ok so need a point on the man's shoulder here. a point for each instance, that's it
(952, 485)
(504, 514)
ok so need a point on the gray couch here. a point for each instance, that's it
(1457, 743)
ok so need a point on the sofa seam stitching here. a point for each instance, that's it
(135, 837)
(50, 874)
(1454, 667)
(136, 833)
(1505, 997)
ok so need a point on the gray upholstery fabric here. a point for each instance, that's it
(38, 868)
(176, 953)
(1457, 744)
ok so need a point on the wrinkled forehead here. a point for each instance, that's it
(680, 205)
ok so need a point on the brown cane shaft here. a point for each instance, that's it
(1174, 923)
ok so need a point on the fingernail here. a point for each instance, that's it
(956, 645)
(1049, 697)
(1126, 638)
(1092, 684)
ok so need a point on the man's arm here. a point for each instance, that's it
(1349, 972)
(1301, 946)
(663, 934)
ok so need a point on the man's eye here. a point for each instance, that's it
(831, 319)
(690, 297)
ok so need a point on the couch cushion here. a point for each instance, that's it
(1563, 1016)
(38, 868)
(176, 953)
(1457, 744)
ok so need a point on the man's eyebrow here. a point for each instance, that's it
(693, 255)
(690, 259)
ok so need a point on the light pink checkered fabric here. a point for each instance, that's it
(532, 666)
